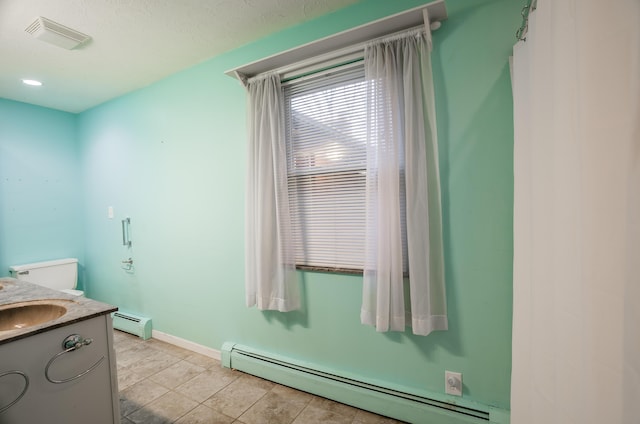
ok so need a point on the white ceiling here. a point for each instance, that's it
(134, 42)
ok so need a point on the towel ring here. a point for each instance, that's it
(26, 386)
(71, 343)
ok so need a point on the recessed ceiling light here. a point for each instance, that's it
(31, 82)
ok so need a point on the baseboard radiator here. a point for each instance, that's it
(133, 324)
(381, 399)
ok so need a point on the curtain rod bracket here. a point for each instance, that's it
(242, 78)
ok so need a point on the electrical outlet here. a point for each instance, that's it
(453, 383)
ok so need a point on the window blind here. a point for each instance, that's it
(326, 164)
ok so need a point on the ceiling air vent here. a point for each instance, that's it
(59, 35)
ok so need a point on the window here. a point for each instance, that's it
(326, 130)
(326, 163)
(343, 175)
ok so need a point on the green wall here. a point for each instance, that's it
(40, 190)
(172, 157)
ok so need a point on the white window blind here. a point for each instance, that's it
(326, 164)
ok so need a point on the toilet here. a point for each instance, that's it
(61, 274)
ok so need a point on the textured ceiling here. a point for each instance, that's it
(134, 42)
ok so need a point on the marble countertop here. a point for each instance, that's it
(78, 309)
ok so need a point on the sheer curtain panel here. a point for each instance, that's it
(270, 275)
(402, 167)
(576, 271)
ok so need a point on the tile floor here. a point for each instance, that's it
(162, 383)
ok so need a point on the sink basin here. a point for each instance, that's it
(21, 315)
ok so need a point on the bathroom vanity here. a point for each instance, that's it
(57, 363)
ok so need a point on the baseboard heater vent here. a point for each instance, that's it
(384, 400)
(133, 324)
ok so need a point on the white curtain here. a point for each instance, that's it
(402, 167)
(576, 300)
(270, 274)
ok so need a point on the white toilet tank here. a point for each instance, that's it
(61, 274)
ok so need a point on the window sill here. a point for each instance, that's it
(329, 270)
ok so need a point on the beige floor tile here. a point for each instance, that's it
(121, 337)
(292, 395)
(239, 396)
(272, 408)
(168, 348)
(166, 409)
(202, 360)
(176, 374)
(248, 380)
(333, 406)
(204, 415)
(225, 372)
(145, 416)
(204, 385)
(154, 362)
(315, 415)
(134, 354)
(123, 344)
(138, 395)
(127, 378)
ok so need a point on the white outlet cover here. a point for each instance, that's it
(453, 383)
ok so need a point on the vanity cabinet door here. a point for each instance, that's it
(74, 387)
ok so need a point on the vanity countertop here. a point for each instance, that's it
(79, 309)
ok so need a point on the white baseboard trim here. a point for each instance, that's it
(186, 344)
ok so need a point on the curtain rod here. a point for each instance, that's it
(330, 47)
(349, 56)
